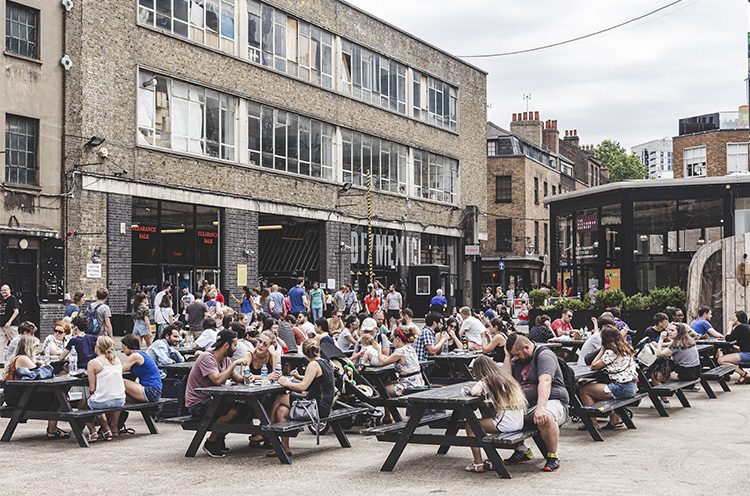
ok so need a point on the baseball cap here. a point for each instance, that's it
(224, 337)
(368, 324)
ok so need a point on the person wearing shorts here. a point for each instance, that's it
(148, 388)
(741, 336)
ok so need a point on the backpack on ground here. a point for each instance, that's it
(94, 325)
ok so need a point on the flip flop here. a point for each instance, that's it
(475, 467)
(58, 434)
(610, 427)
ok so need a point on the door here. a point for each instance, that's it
(179, 277)
(22, 279)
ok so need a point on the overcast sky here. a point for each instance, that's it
(631, 84)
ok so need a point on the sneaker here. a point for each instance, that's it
(223, 446)
(519, 457)
(552, 465)
(213, 449)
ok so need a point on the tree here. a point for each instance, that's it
(621, 165)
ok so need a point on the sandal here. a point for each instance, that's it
(92, 438)
(745, 379)
(475, 467)
(272, 454)
(488, 465)
(107, 435)
(58, 434)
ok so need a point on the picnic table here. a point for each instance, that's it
(582, 371)
(178, 370)
(379, 377)
(573, 344)
(252, 395)
(458, 362)
(184, 350)
(463, 406)
(551, 345)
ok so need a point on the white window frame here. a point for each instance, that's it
(694, 156)
(737, 162)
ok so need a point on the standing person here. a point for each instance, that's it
(329, 307)
(106, 387)
(563, 326)
(741, 334)
(538, 372)
(214, 368)
(616, 358)
(164, 314)
(185, 300)
(141, 323)
(102, 315)
(194, 314)
(372, 302)
(277, 309)
(266, 303)
(438, 303)
(215, 309)
(352, 303)
(166, 287)
(506, 395)
(298, 298)
(471, 329)
(148, 388)
(339, 300)
(702, 325)
(161, 352)
(511, 300)
(394, 303)
(9, 311)
(317, 303)
(74, 307)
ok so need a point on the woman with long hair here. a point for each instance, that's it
(266, 303)
(74, 307)
(405, 359)
(685, 361)
(106, 387)
(616, 358)
(141, 324)
(164, 314)
(494, 340)
(507, 398)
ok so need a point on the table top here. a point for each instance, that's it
(185, 367)
(549, 345)
(452, 395)
(369, 369)
(58, 380)
(564, 341)
(582, 371)
(703, 347)
(184, 350)
(716, 342)
(459, 355)
(242, 390)
(293, 356)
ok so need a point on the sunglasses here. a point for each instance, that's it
(59, 332)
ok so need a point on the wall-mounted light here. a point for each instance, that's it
(150, 83)
(701, 241)
(644, 237)
(270, 228)
(95, 141)
(346, 187)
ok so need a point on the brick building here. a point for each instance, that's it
(31, 211)
(239, 136)
(711, 145)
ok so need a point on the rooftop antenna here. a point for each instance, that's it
(527, 97)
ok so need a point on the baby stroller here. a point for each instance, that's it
(352, 390)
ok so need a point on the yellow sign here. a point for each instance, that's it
(242, 275)
(612, 279)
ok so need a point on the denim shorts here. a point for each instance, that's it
(744, 356)
(140, 328)
(151, 393)
(621, 390)
(115, 403)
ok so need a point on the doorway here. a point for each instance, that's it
(22, 278)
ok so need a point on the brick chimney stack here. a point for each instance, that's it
(527, 126)
(551, 137)
(571, 137)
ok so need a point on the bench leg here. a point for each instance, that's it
(200, 433)
(17, 415)
(273, 437)
(340, 435)
(78, 432)
(707, 388)
(658, 404)
(489, 448)
(149, 419)
(589, 424)
(724, 385)
(452, 430)
(398, 448)
(683, 399)
(623, 413)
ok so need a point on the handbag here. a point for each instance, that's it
(647, 355)
(306, 410)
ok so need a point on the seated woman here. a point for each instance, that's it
(264, 354)
(404, 357)
(270, 325)
(348, 337)
(106, 387)
(55, 343)
(494, 341)
(23, 356)
(523, 315)
(677, 344)
(317, 382)
(506, 396)
(616, 358)
(542, 330)
(148, 387)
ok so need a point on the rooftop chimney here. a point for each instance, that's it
(551, 137)
(571, 137)
(529, 127)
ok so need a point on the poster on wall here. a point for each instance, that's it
(241, 275)
(561, 277)
(612, 279)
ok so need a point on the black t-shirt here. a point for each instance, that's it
(741, 334)
(7, 306)
(652, 333)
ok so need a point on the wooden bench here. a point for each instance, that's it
(666, 389)
(716, 374)
(291, 428)
(396, 427)
(604, 408)
(509, 440)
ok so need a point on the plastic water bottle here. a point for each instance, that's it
(73, 362)
(46, 355)
(264, 376)
(247, 377)
(278, 369)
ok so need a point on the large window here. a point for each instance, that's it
(736, 157)
(435, 177)
(385, 160)
(694, 160)
(504, 234)
(185, 118)
(289, 45)
(210, 22)
(289, 142)
(21, 30)
(21, 139)
(503, 189)
(373, 78)
(434, 101)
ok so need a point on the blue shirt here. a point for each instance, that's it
(438, 300)
(490, 314)
(162, 354)
(296, 299)
(147, 373)
(70, 309)
(278, 302)
(247, 306)
(84, 346)
(700, 325)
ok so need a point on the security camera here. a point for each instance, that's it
(150, 83)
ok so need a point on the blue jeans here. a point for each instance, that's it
(317, 313)
(115, 403)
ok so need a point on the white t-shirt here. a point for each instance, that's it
(162, 314)
(343, 343)
(158, 297)
(473, 328)
(374, 358)
(187, 299)
(207, 339)
(308, 327)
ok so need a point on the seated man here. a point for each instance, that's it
(593, 344)
(661, 322)
(425, 344)
(370, 326)
(538, 372)
(563, 325)
(161, 351)
(702, 325)
(208, 336)
(741, 334)
(213, 368)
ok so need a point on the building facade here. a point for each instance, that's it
(657, 156)
(241, 139)
(32, 209)
(711, 145)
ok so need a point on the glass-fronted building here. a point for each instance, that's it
(638, 235)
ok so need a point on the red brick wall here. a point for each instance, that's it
(716, 149)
